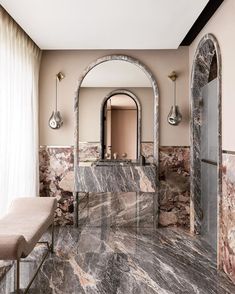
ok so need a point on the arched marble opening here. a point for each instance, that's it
(206, 66)
(138, 106)
(153, 82)
(155, 168)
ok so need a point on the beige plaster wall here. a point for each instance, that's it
(124, 132)
(72, 63)
(222, 26)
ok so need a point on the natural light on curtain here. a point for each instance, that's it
(19, 70)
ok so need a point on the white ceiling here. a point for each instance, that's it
(118, 74)
(105, 24)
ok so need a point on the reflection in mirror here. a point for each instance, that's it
(120, 120)
(111, 123)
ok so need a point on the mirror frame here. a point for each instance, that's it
(153, 81)
(139, 118)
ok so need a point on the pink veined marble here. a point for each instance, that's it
(227, 218)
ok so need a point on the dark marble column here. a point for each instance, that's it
(202, 72)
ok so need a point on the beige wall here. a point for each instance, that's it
(124, 132)
(222, 26)
(90, 106)
(72, 63)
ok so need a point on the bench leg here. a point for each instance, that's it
(17, 280)
(50, 249)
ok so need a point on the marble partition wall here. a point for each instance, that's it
(55, 164)
(206, 66)
(174, 194)
(227, 219)
(116, 178)
(56, 179)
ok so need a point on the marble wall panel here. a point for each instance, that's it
(89, 151)
(55, 163)
(174, 195)
(56, 179)
(227, 217)
(129, 209)
(206, 57)
(116, 178)
(92, 150)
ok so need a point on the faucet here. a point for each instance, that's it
(115, 155)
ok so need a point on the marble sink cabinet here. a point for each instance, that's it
(121, 162)
(115, 176)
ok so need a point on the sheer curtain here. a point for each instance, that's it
(19, 71)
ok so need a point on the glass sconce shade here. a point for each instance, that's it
(174, 116)
(55, 121)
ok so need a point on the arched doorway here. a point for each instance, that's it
(206, 140)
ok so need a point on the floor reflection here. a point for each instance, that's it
(123, 260)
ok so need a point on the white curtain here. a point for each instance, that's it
(19, 71)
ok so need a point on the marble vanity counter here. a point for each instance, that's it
(116, 178)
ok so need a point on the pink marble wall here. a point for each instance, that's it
(147, 151)
(227, 217)
(174, 196)
(54, 164)
(89, 151)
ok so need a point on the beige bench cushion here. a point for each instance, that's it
(24, 225)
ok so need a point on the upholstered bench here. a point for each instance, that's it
(22, 227)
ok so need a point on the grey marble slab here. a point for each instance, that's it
(130, 209)
(116, 179)
(104, 260)
(202, 70)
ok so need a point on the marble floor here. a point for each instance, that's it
(110, 260)
(117, 249)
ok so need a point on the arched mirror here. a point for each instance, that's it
(121, 126)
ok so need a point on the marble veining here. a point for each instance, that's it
(4, 267)
(206, 51)
(174, 194)
(89, 151)
(147, 151)
(106, 260)
(55, 165)
(227, 224)
(129, 209)
(116, 178)
(57, 179)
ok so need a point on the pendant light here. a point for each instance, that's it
(56, 121)
(174, 116)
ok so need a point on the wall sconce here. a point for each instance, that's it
(55, 120)
(174, 116)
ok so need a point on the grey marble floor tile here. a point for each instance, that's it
(109, 260)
